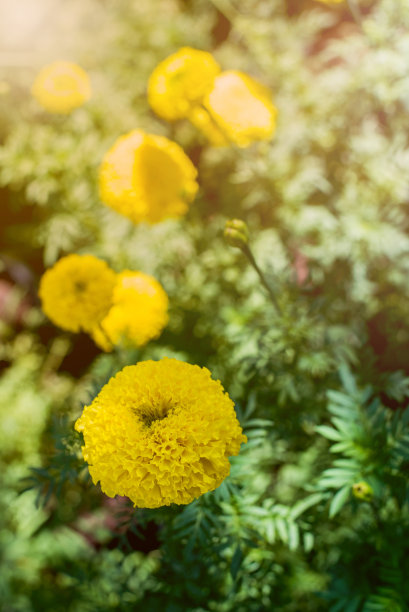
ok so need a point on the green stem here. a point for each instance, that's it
(247, 251)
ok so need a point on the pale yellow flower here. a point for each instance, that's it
(241, 108)
(147, 178)
(61, 87)
(160, 432)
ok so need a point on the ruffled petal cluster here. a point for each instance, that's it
(76, 293)
(227, 107)
(160, 432)
(61, 87)
(181, 82)
(147, 178)
(138, 313)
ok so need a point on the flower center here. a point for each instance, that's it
(80, 286)
(149, 413)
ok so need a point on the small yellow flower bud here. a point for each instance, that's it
(239, 225)
(235, 238)
(363, 491)
(236, 233)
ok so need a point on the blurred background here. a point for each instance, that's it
(326, 204)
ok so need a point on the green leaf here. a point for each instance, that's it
(328, 432)
(347, 379)
(339, 500)
(303, 505)
(236, 562)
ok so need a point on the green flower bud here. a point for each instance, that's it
(238, 225)
(236, 233)
(363, 491)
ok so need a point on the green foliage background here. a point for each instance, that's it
(321, 391)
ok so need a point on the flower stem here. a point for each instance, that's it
(248, 253)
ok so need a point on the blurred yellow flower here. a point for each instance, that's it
(241, 108)
(331, 1)
(61, 87)
(76, 293)
(180, 82)
(147, 178)
(227, 107)
(138, 312)
(160, 432)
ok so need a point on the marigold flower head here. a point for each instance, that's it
(76, 292)
(147, 178)
(138, 312)
(181, 82)
(241, 108)
(160, 432)
(61, 87)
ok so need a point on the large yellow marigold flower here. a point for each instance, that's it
(181, 82)
(160, 432)
(138, 312)
(241, 108)
(61, 87)
(76, 292)
(147, 178)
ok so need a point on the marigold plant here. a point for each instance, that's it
(138, 312)
(147, 178)
(160, 432)
(180, 83)
(241, 108)
(61, 87)
(76, 293)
